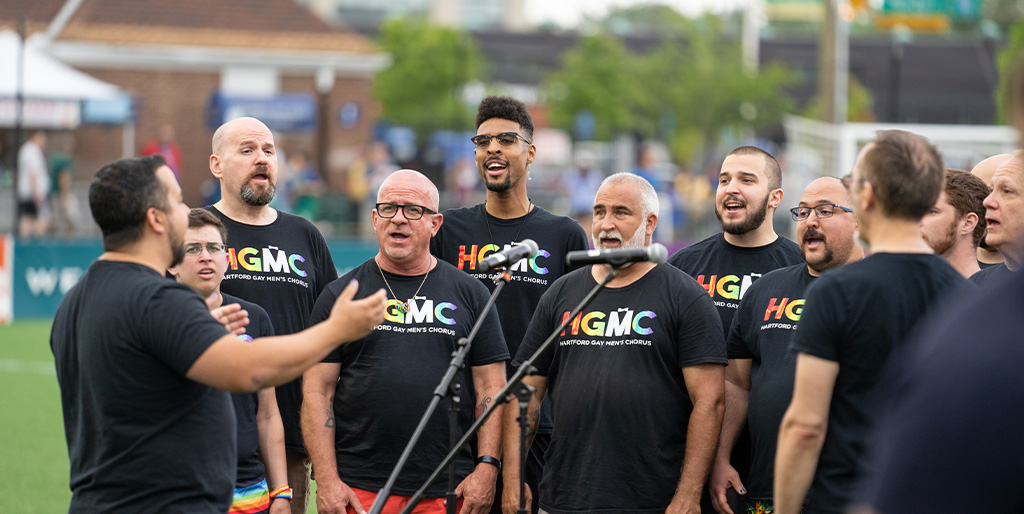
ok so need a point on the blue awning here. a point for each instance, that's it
(286, 112)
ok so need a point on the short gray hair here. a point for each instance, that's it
(648, 196)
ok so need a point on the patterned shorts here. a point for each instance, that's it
(760, 506)
(252, 499)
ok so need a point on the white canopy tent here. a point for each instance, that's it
(53, 92)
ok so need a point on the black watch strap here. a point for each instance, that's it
(494, 461)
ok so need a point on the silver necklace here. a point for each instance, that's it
(404, 306)
(529, 211)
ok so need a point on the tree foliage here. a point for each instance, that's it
(430, 65)
(1009, 59)
(687, 91)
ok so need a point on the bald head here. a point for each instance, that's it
(987, 167)
(223, 134)
(410, 180)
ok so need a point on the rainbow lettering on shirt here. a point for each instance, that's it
(729, 287)
(421, 311)
(617, 323)
(265, 260)
(792, 309)
(469, 255)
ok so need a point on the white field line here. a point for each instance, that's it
(33, 367)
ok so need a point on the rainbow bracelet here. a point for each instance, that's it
(281, 492)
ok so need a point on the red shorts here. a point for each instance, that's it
(396, 503)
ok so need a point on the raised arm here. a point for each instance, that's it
(238, 366)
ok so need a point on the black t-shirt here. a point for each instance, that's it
(141, 437)
(615, 379)
(466, 237)
(856, 315)
(762, 331)
(250, 465)
(282, 267)
(726, 270)
(388, 377)
(949, 436)
(992, 276)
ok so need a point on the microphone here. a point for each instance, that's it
(524, 250)
(656, 253)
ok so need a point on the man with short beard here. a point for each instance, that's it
(956, 223)
(761, 366)
(726, 264)
(503, 153)
(277, 260)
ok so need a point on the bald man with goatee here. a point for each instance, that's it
(276, 260)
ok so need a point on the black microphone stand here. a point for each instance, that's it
(525, 368)
(449, 385)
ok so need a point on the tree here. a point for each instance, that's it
(858, 106)
(598, 77)
(1010, 58)
(430, 65)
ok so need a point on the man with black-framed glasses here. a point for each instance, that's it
(856, 318)
(381, 386)
(503, 151)
(759, 377)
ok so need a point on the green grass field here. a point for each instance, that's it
(34, 458)
(34, 465)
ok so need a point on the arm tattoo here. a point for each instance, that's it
(482, 407)
(533, 420)
(329, 423)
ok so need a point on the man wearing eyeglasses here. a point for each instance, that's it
(261, 483)
(503, 152)
(361, 406)
(855, 318)
(275, 259)
(955, 225)
(726, 264)
(759, 378)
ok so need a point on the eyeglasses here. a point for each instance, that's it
(197, 248)
(411, 211)
(825, 210)
(505, 139)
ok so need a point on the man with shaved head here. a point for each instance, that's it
(988, 256)
(759, 378)
(276, 260)
(1004, 215)
(361, 407)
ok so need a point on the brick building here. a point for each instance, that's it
(196, 63)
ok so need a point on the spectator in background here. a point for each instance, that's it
(166, 145)
(299, 186)
(66, 211)
(581, 185)
(33, 187)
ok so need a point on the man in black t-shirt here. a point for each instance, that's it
(759, 378)
(276, 259)
(955, 225)
(508, 216)
(140, 359)
(1004, 216)
(635, 380)
(261, 465)
(946, 440)
(361, 405)
(855, 316)
(984, 170)
(726, 264)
